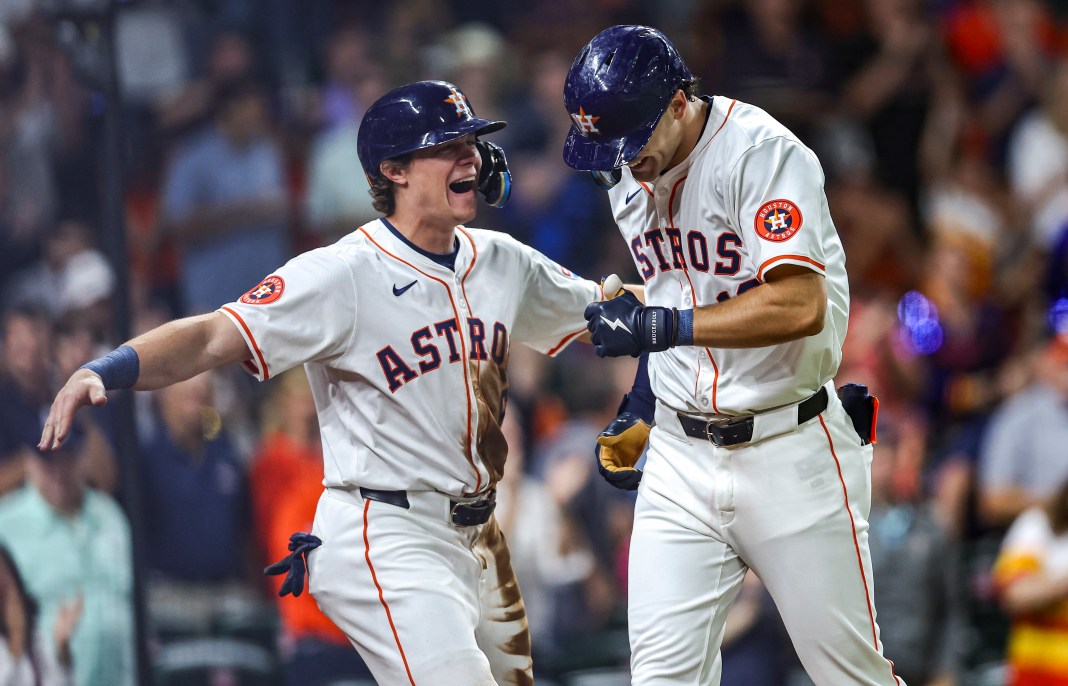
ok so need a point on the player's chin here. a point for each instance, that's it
(643, 169)
(465, 203)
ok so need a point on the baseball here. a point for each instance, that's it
(612, 286)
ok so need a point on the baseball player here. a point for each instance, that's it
(753, 462)
(404, 327)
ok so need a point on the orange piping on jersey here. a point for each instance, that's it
(721, 124)
(646, 187)
(463, 348)
(478, 363)
(564, 342)
(856, 544)
(252, 339)
(671, 203)
(381, 594)
(715, 380)
(693, 294)
(799, 258)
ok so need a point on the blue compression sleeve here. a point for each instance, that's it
(118, 369)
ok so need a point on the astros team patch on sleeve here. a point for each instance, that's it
(778, 220)
(269, 290)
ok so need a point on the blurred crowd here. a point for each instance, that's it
(942, 126)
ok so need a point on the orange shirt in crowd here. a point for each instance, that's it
(287, 480)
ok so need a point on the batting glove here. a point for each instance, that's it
(623, 326)
(619, 447)
(294, 565)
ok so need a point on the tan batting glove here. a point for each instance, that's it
(619, 447)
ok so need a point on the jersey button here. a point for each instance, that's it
(704, 401)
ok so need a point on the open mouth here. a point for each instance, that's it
(638, 165)
(462, 186)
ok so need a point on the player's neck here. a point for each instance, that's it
(433, 237)
(693, 125)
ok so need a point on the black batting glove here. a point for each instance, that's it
(294, 565)
(623, 326)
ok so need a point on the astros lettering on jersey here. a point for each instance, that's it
(696, 242)
(414, 404)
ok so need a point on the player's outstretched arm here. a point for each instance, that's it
(168, 354)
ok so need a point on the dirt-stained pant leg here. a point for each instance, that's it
(502, 634)
(405, 590)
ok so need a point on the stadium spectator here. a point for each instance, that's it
(1038, 161)
(29, 659)
(25, 341)
(1032, 577)
(73, 280)
(915, 566)
(196, 514)
(73, 543)
(229, 58)
(1022, 458)
(225, 202)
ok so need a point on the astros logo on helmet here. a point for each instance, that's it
(585, 122)
(457, 98)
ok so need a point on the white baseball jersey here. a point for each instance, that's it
(742, 203)
(407, 358)
(792, 504)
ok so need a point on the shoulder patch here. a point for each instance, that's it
(269, 290)
(778, 220)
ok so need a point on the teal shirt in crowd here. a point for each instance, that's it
(58, 557)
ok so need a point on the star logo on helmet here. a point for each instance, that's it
(585, 122)
(457, 98)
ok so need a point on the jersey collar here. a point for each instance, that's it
(447, 260)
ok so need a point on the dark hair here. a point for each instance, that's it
(30, 606)
(689, 88)
(382, 196)
(237, 90)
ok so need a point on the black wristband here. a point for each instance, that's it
(660, 327)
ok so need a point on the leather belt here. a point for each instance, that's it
(728, 431)
(462, 513)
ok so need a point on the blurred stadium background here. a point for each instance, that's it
(158, 157)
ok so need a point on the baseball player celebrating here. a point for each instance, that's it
(753, 462)
(404, 327)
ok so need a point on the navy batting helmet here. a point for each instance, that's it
(618, 88)
(416, 116)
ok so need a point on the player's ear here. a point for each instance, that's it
(394, 171)
(679, 103)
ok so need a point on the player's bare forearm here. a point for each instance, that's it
(181, 349)
(168, 354)
(792, 304)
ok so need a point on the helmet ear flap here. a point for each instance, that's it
(494, 178)
(607, 180)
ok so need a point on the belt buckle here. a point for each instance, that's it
(720, 431)
(474, 512)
